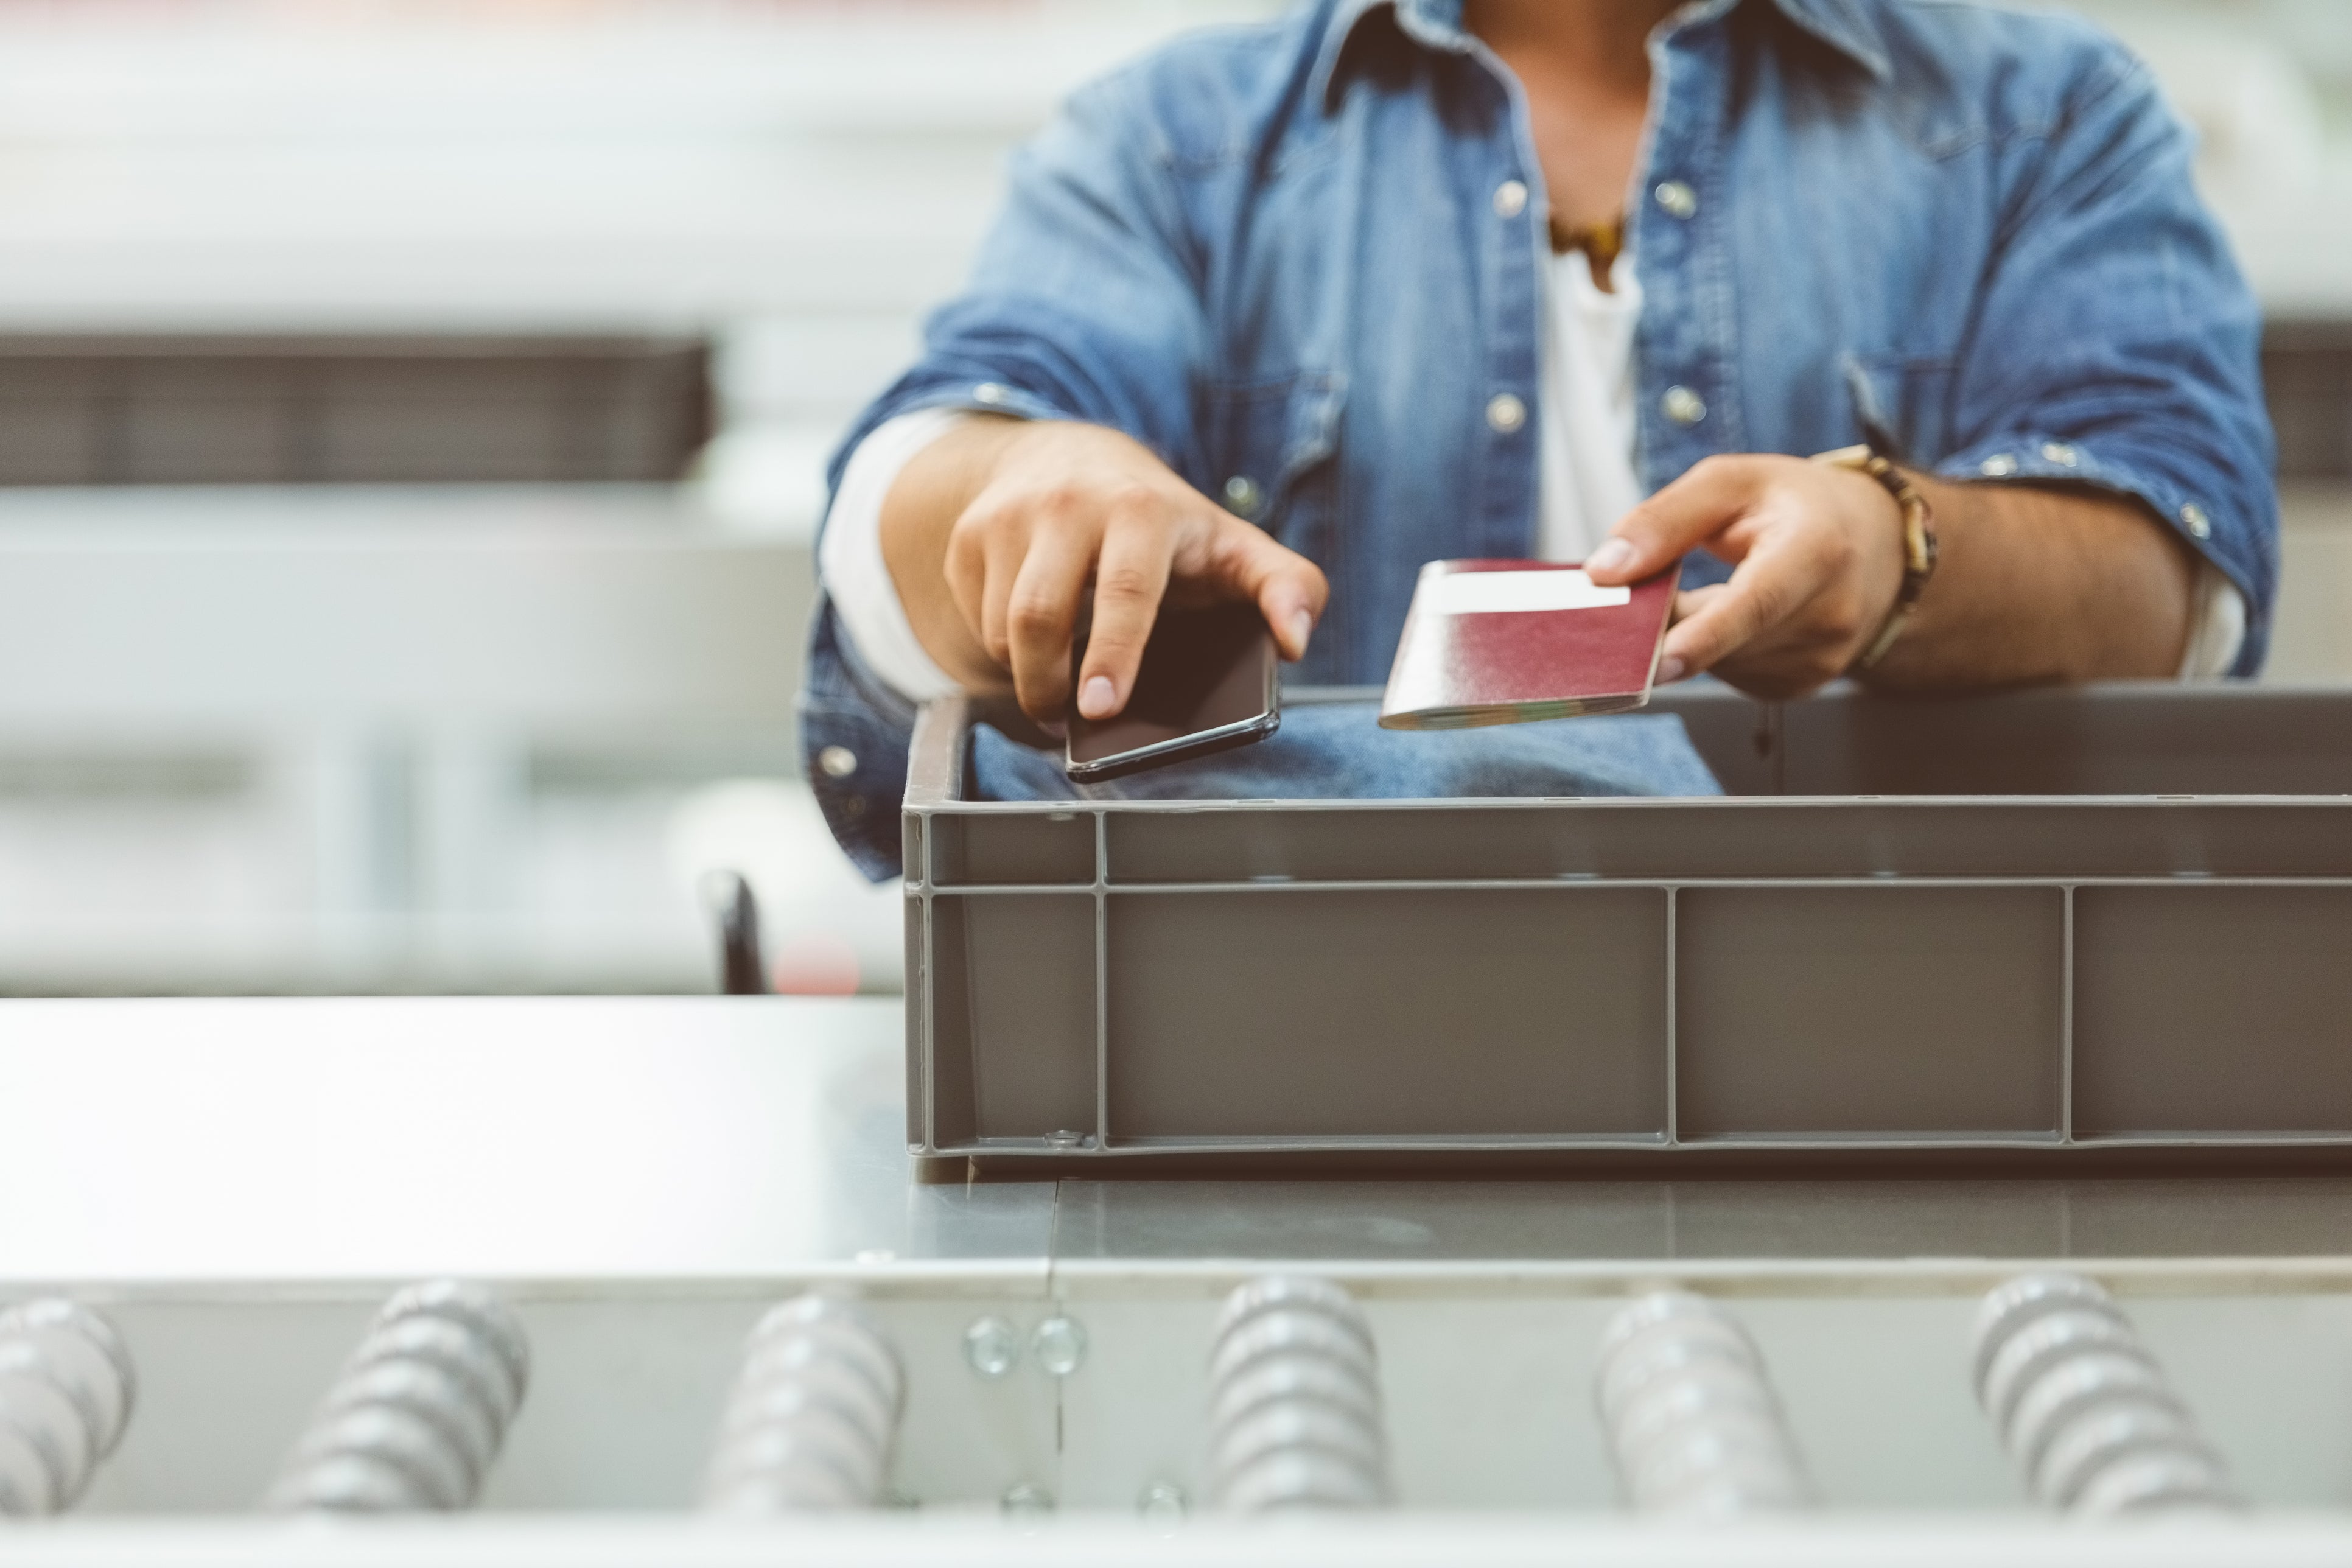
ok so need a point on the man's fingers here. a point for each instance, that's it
(1041, 615)
(1677, 520)
(1129, 581)
(1689, 602)
(1768, 587)
(1017, 567)
(966, 569)
(997, 556)
(1289, 590)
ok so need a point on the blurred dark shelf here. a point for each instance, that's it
(2307, 369)
(113, 410)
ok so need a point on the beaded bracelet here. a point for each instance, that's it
(1918, 543)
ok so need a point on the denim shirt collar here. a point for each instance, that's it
(1438, 25)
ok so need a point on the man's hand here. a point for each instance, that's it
(1042, 510)
(2032, 584)
(1817, 562)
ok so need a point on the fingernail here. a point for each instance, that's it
(1615, 555)
(1670, 669)
(1302, 626)
(1097, 698)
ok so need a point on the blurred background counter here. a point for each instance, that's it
(412, 420)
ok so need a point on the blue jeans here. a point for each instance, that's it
(1337, 752)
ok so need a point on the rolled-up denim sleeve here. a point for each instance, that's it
(1084, 304)
(2118, 345)
(1085, 301)
(854, 731)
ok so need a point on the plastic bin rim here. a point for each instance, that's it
(935, 785)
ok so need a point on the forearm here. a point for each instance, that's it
(918, 516)
(2038, 585)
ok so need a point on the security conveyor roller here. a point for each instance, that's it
(66, 1385)
(1294, 1400)
(814, 1415)
(1693, 1423)
(416, 1417)
(2082, 1406)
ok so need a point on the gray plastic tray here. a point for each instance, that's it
(2039, 927)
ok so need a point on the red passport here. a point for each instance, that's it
(1506, 642)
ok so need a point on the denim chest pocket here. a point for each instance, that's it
(1909, 396)
(1270, 446)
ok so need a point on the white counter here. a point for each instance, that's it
(237, 1184)
(298, 1140)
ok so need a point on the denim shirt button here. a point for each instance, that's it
(1510, 198)
(2199, 523)
(1678, 199)
(838, 762)
(1243, 496)
(2059, 452)
(1683, 405)
(988, 392)
(1999, 466)
(1506, 413)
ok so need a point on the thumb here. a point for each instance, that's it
(1289, 590)
(1676, 521)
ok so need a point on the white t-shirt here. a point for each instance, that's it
(1586, 478)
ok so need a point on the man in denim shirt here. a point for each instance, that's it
(1281, 313)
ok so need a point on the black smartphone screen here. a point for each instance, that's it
(1209, 683)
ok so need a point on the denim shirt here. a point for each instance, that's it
(1290, 259)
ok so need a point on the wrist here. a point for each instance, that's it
(1914, 522)
(989, 441)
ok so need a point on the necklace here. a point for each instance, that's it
(1601, 243)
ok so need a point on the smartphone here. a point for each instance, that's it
(1210, 680)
